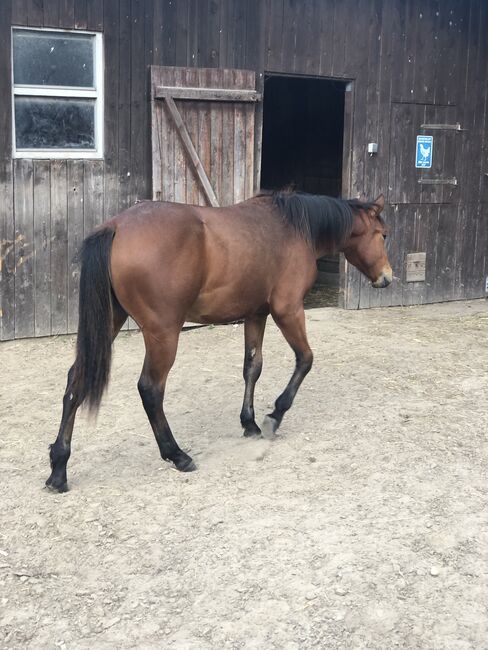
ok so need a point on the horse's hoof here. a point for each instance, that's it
(186, 466)
(252, 433)
(269, 427)
(56, 487)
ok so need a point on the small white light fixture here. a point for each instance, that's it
(372, 148)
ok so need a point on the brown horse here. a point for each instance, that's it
(164, 263)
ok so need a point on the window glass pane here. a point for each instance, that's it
(53, 59)
(54, 123)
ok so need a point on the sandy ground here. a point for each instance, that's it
(364, 525)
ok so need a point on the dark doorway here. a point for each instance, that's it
(303, 132)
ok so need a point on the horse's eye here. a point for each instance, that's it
(384, 236)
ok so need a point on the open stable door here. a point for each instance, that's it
(203, 135)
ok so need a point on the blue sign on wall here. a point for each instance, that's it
(423, 157)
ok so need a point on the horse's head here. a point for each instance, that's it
(365, 248)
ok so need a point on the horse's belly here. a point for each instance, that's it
(225, 306)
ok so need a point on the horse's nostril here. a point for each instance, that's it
(382, 282)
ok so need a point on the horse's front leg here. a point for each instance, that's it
(253, 363)
(292, 326)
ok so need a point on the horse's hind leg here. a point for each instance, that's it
(160, 356)
(292, 326)
(253, 363)
(61, 449)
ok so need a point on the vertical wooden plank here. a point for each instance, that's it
(414, 293)
(459, 253)
(187, 187)
(212, 59)
(390, 27)
(169, 145)
(206, 79)
(227, 145)
(255, 36)
(111, 37)
(226, 19)
(274, 16)
(258, 132)
(75, 237)
(51, 13)
(81, 14)
(313, 44)
(445, 253)
(148, 61)
(424, 65)
(124, 104)
(59, 247)
(92, 195)
(182, 44)
(7, 252)
(341, 15)
(238, 35)
(407, 86)
(375, 44)
(5, 81)
(396, 252)
(67, 13)
(19, 12)
(288, 37)
(239, 143)
(357, 66)
(215, 136)
(138, 106)
(473, 105)
(303, 39)
(35, 13)
(249, 112)
(157, 142)
(94, 15)
(24, 248)
(349, 278)
(326, 24)
(192, 33)
(168, 33)
(42, 247)
(157, 37)
(470, 215)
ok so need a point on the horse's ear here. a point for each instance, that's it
(380, 203)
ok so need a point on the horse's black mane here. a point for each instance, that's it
(316, 218)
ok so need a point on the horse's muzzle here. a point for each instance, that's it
(384, 280)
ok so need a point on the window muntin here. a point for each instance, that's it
(57, 94)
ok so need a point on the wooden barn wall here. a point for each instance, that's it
(418, 51)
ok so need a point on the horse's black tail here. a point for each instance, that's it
(95, 324)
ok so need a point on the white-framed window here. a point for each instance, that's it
(57, 93)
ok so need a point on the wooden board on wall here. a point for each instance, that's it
(221, 133)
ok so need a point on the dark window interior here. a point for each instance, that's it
(303, 130)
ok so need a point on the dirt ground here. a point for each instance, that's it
(363, 525)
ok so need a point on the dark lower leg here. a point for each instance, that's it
(253, 363)
(60, 451)
(293, 329)
(159, 359)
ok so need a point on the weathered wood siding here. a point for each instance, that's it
(221, 134)
(431, 54)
